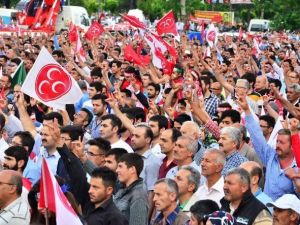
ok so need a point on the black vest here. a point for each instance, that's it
(248, 209)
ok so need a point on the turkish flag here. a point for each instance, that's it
(167, 66)
(73, 33)
(134, 21)
(131, 56)
(49, 83)
(167, 24)
(53, 198)
(94, 31)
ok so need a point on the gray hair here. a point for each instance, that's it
(194, 125)
(192, 145)
(194, 177)
(221, 158)
(242, 173)
(171, 185)
(246, 83)
(233, 133)
(17, 180)
(295, 87)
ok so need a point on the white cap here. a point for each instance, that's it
(287, 201)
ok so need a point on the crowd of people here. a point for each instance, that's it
(215, 142)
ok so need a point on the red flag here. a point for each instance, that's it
(73, 33)
(167, 66)
(134, 21)
(131, 56)
(94, 31)
(172, 50)
(240, 34)
(52, 198)
(167, 24)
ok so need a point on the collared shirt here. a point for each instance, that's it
(211, 104)
(172, 172)
(95, 127)
(261, 196)
(32, 171)
(235, 159)
(215, 193)
(16, 213)
(277, 183)
(52, 160)
(3, 147)
(150, 170)
(164, 168)
(170, 219)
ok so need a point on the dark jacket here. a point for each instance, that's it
(248, 209)
(106, 214)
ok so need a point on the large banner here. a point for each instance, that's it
(215, 16)
(240, 1)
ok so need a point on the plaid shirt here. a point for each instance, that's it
(211, 104)
(233, 160)
(213, 128)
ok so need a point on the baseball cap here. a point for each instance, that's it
(287, 201)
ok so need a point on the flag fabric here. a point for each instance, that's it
(167, 25)
(49, 83)
(134, 21)
(202, 30)
(167, 65)
(19, 75)
(131, 56)
(53, 199)
(73, 34)
(211, 35)
(94, 31)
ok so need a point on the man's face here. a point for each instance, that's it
(181, 152)
(240, 89)
(184, 186)
(226, 122)
(10, 163)
(107, 130)
(80, 118)
(47, 139)
(151, 92)
(96, 155)
(291, 95)
(10, 53)
(28, 64)
(92, 92)
(163, 199)
(114, 68)
(146, 80)
(111, 162)
(226, 144)
(268, 68)
(5, 188)
(4, 82)
(98, 107)
(138, 141)
(16, 141)
(233, 188)
(154, 127)
(123, 172)
(165, 141)
(283, 216)
(98, 192)
(209, 165)
(2, 61)
(247, 68)
(265, 127)
(216, 88)
(66, 139)
(283, 145)
(259, 83)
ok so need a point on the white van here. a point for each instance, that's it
(258, 25)
(75, 14)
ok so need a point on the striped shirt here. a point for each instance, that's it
(16, 213)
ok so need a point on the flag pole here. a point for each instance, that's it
(45, 192)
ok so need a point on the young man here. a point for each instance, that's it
(132, 200)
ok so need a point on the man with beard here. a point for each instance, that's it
(99, 109)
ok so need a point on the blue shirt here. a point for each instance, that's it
(170, 219)
(235, 159)
(78, 105)
(32, 171)
(277, 183)
(261, 196)
(95, 127)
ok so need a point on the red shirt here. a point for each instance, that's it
(164, 169)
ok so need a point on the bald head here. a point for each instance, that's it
(12, 177)
(191, 129)
(254, 169)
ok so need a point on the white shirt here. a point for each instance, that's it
(215, 193)
(122, 144)
(3, 147)
(156, 150)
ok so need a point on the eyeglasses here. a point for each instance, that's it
(66, 139)
(93, 154)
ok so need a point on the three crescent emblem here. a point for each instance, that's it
(167, 23)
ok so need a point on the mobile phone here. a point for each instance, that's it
(233, 95)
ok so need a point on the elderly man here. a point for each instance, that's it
(275, 161)
(230, 143)
(286, 210)
(13, 210)
(187, 180)
(165, 200)
(240, 202)
(212, 165)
